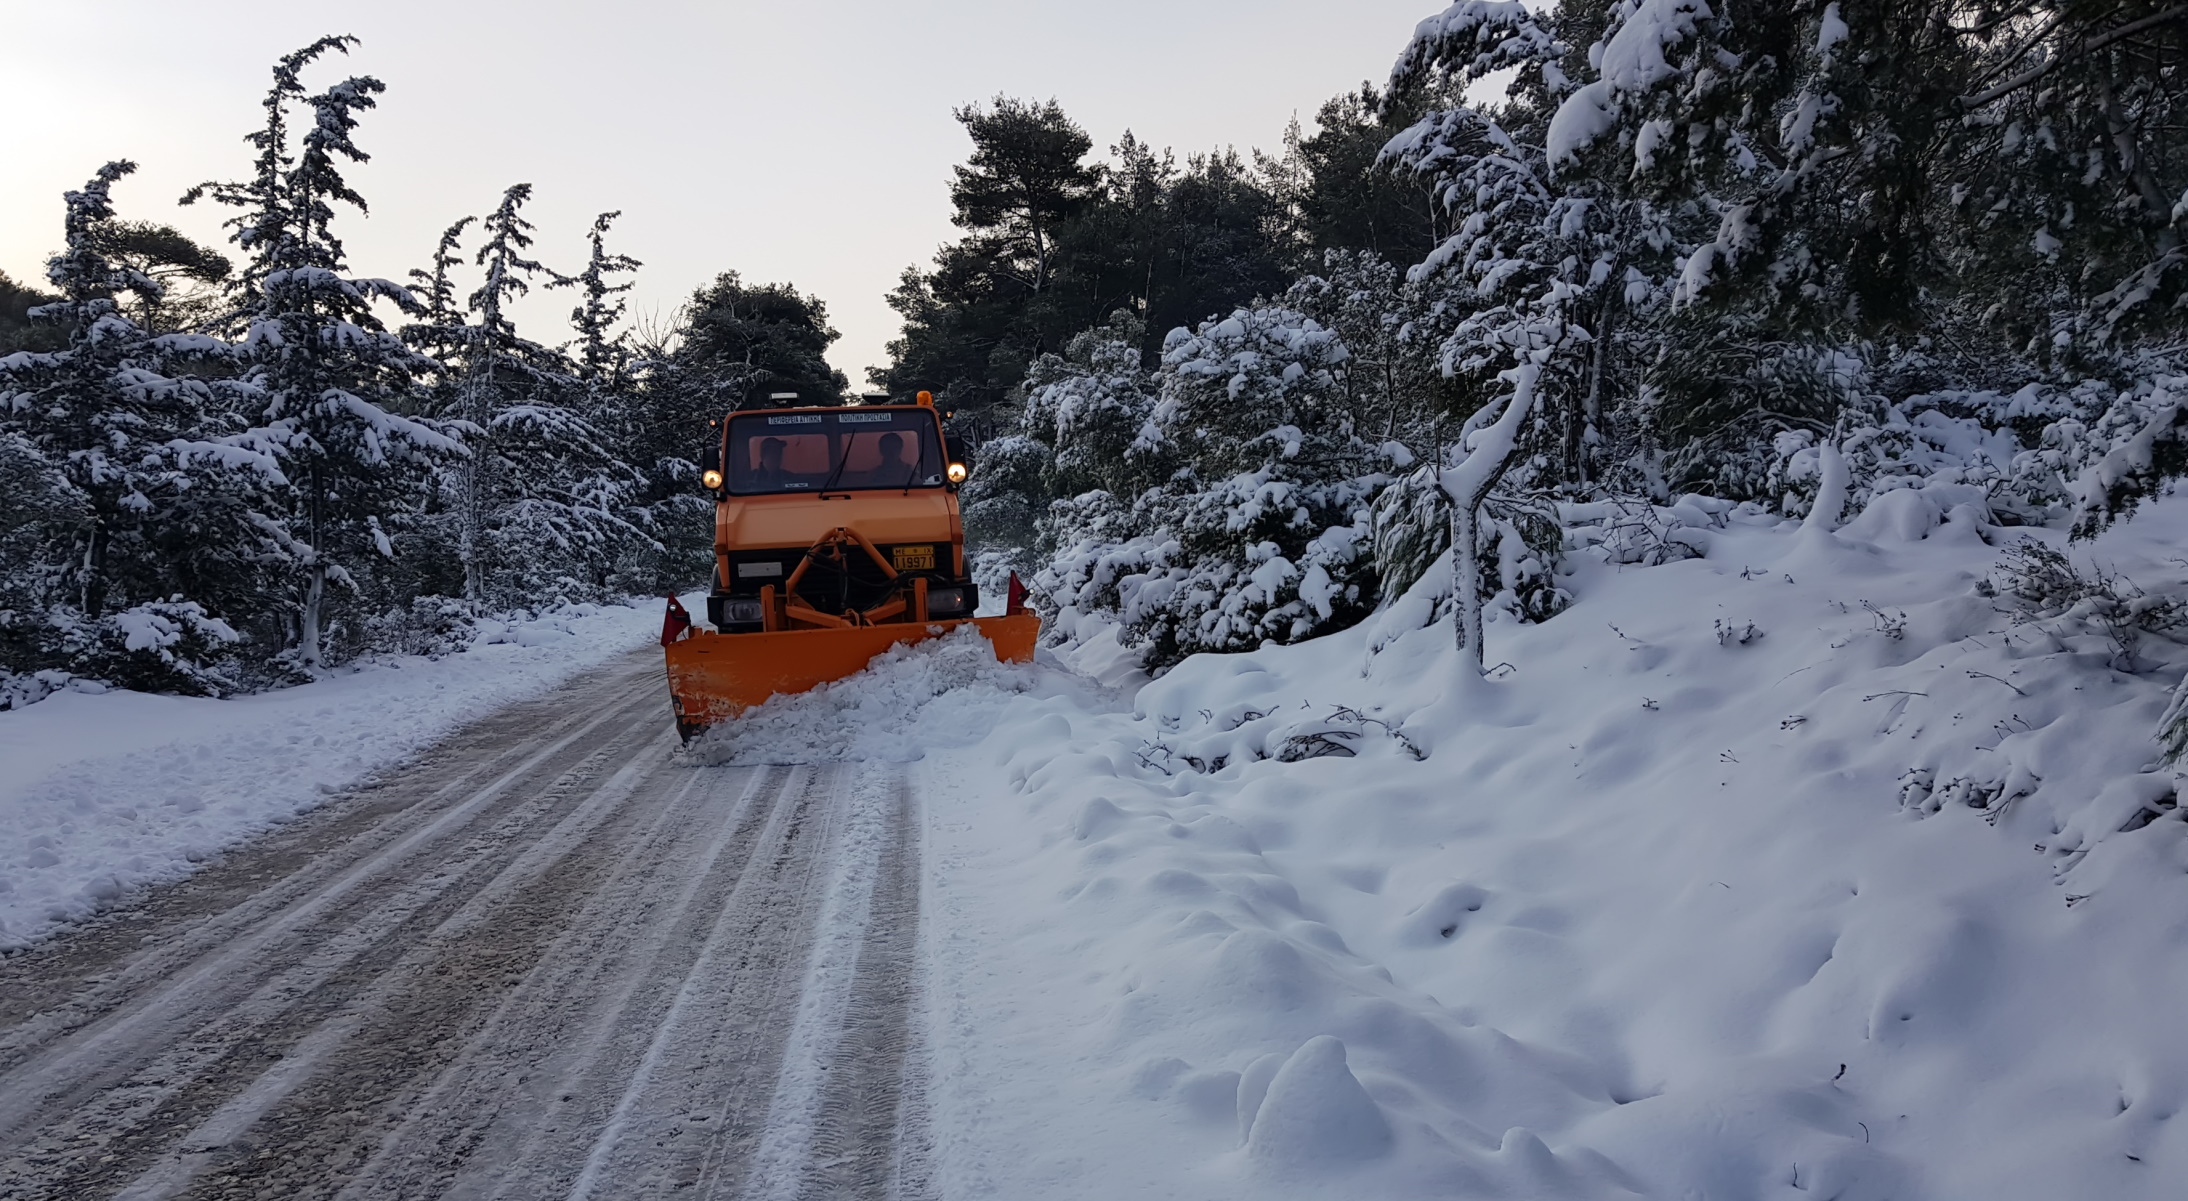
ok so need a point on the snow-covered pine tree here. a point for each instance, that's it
(331, 375)
(1535, 261)
(543, 505)
(162, 481)
(435, 291)
(1074, 449)
(603, 353)
(1258, 527)
(1874, 166)
(1398, 392)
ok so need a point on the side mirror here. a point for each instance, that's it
(710, 466)
(955, 450)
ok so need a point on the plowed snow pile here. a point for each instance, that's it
(884, 713)
(1801, 869)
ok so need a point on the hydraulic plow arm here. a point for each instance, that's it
(786, 610)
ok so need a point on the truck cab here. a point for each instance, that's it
(845, 513)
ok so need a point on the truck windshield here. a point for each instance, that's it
(835, 451)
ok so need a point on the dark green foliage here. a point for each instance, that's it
(1724, 393)
(1054, 244)
(739, 339)
(17, 330)
(976, 321)
(192, 278)
(1348, 201)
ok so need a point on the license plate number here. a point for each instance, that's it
(912, 558)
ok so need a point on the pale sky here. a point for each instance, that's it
(798, 141)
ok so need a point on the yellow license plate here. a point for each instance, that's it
(912, 558)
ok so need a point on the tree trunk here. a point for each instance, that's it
(470, 527)
(307, 641)
(1468, 485)
(467, 542)
(1466, 581)
(1599, 368)
(2133, 165)
(308, 652)
(94, 594)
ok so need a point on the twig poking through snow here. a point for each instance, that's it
(1984, 675)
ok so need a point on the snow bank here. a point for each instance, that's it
(1799, 867)
(104, 792)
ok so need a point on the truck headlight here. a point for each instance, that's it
(941, 601)
(957, 473)
(711, 478)
(741, 611)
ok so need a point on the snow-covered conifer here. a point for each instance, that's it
(331, 375)
(1258, 527)
(1535, 261)
(542, 504)
(603, 353)
(167, 482)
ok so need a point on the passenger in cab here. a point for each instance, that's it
(897, 464)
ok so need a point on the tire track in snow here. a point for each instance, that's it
(64, 986)
(682, 1114)
(593, 988)
(836, 1125)
(394, 957)
(551, 959)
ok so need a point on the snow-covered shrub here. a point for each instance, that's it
(20, 690)
(164, 646)
(1003, 501)
(1257, 526)
(1091, 409)
(1076, 429)
(1719, 397)
(1519, 546)
(431, 626)
(2134, 449)
(1630, 530)
(2042, 585)
(2041, 453)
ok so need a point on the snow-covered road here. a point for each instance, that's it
(553, 958)
(1813, 866)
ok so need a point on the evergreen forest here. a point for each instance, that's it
(1585, 262)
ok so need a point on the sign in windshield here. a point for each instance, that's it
(833, 452)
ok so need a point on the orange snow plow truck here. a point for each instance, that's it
(836, 537)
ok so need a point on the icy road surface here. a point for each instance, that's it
(550, 959)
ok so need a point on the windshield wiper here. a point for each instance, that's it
(841, 463)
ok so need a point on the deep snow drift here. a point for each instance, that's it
(102, 793)
(1799, 869)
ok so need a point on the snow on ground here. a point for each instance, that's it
(885, 714)
(103, 793)
(1795, 870)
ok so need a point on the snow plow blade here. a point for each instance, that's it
(714, 677)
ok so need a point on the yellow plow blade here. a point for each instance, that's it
(714, 677)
